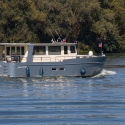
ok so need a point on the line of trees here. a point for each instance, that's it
(86, 21)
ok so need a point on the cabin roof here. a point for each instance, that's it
(38, 44)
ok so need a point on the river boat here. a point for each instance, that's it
(47, 59)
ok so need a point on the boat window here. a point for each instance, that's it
(8, 50)
(18, 51)
(39, 50)
(72, 49)
(62, 68)
(15, 50)
(54, 68)
(54, 50)
(22, 50)
(65, 49)
(12, 50)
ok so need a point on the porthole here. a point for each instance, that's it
(54, 68)
(62, 68)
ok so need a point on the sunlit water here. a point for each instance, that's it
(99, 100)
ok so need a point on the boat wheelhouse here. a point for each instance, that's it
(47, 59)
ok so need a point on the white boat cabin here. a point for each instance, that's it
(39, 52)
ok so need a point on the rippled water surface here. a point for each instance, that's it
(99, 100)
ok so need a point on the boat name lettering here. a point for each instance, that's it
(21, 66)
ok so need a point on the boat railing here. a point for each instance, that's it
(54, 58)
(61, 58)
(43, 59)
(15, 59)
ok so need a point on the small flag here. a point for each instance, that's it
(64, 40)
(100, 45)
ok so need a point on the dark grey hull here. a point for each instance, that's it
(70, 67)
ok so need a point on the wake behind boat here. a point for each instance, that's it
(47, 59)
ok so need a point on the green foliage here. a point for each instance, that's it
(15, 19)
(82, 48)
(81, 20)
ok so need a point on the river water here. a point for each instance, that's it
(98, 100)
